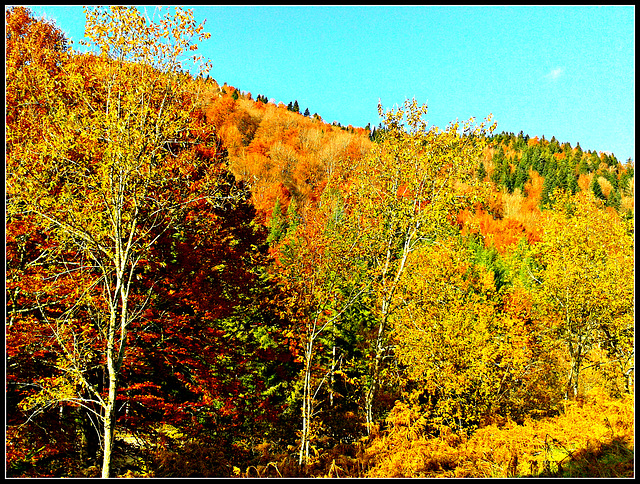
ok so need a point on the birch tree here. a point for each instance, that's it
(402, 195)
(315, 264)
(101, 157)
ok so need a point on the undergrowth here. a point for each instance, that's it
(592, 438)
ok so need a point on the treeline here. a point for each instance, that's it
(203, 284)
(279, 153)
(561, 166)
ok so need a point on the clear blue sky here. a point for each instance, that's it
(567, 72)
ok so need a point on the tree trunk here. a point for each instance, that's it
(109, 422)
(114, 364)
(385, 310)
(574, 372)
(375, 377)
(306, 407)
(627, 380)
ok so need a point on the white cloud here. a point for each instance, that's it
(555, 73)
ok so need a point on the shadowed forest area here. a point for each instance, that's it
(201, 282)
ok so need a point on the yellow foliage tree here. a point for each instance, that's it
(108, 170)
(401, 195)
(583, 275)
(470, 360)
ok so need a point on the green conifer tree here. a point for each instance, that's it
(573, 183)
(537, 163)
(498, 167)
(547, 188)
(481, 172)
(562, 178)
(597, 189)
(278, 225)
(614, 200)
(508, 178)
(626, 177)
(521, 175)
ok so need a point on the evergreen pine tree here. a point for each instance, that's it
(596, 188)
(508, 178)
(521, 175)
(562, 178)
(536, 160)
(612, 177)
(611, 160)
(481, 172)
(578, 151)
(277, 226)
(547, 188)
(296, 108)
(573, 183)
(497, 176)
(625, 178)
(525, 159)
(614, 200)
(550, 164)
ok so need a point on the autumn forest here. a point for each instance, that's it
(202, 282)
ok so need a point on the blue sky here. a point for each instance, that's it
(567, 72)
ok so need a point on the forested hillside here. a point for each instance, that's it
(201, 282)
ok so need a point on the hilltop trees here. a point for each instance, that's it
(279, 154)
(562, 167)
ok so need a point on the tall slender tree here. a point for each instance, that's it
(112, 168)
(402, 196)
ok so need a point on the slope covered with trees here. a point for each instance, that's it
(200, 283)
